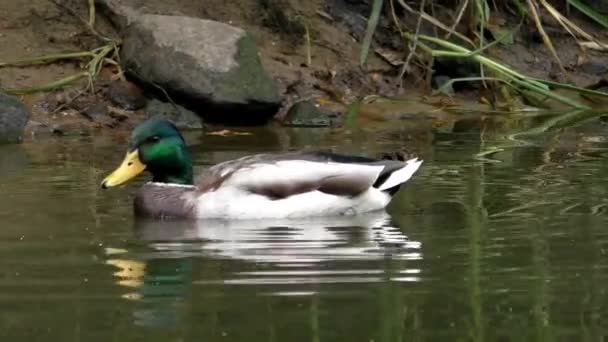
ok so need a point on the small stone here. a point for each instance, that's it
(126, 95)
(306, 114)
(60, 98)
(13, 118)
(180, 116)
(594, 68)
(98, 113)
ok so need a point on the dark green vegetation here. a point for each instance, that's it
(433, 35)
(507, 247)
(479, 26)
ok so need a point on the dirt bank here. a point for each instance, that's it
(326, 69)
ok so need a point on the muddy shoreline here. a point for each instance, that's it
(325, 70)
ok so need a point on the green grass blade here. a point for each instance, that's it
(521, 10)
(46, 59)
(590, 12)
(351, 113)
(571, 87)
(54, 85)
(510, 74)
(372, 22)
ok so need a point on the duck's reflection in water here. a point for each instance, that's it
(293, 252)
(280, 241)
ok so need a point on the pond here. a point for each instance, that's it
(502, 246)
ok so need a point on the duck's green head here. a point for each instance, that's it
(157, 146)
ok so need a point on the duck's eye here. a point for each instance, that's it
(153, 139)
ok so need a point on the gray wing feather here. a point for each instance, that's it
(283, 175)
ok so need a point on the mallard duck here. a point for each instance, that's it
(289, 185)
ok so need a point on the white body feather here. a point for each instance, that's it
(232, 202)
(233, 199)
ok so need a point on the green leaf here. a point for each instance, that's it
(372, 22)
(590, 12)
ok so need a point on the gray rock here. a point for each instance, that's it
(594, 68)
(180, 116)
(126, 95)
(210, 67)
(306, 114)
(352, 14)
(13, 117)
(98, 112)
(120, 12)
(13, 160)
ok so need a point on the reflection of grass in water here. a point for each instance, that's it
(535, 304)
(314, 318)
(351, 114)
(550, 124)
(542, 298)
(476, 218)
(391, 303)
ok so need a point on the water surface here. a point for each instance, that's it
(507, 246)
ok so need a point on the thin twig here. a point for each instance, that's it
(395, 19)
(404, 37)
(412, 46)
(546, 39)
(69, 101)
(434, 15)
(482, 15)
(87, 24)
(120, 73)
(435, 22)
(458, 19)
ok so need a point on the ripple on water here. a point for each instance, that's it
(509, 250)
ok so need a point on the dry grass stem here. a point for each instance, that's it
(463, 7)
(412, 46)
(435, 22)
(545, 37)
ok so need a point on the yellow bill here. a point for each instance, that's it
(131, 166)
